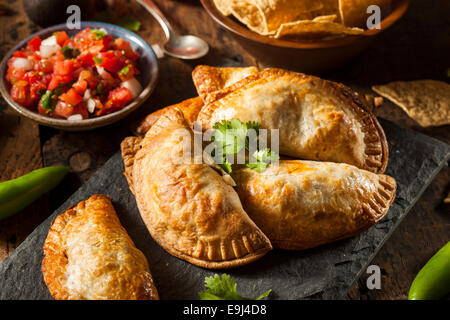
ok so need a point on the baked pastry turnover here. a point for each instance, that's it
(186, 204)
(317, 119)
(89, 255)
(303, 204)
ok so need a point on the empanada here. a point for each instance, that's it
(317, 119)
(89, 255)
(190, 108)
(187, 206)
(303, 204)
(210, 81)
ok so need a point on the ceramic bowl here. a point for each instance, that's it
(317, 56)
(147, 64)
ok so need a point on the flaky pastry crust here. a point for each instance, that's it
(303, 204)
(88, 255)
(317, 119)
(187, 206)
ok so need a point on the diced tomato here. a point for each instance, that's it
(44, 65)
(19, 54)
(20, 92)
(63, 110)
(71, 97)
(110, 62)
(125, 46)
(35, 43)
(61, 38)
(86, 59)
(89, 77)
(58, 80)
(117, 99)
(80, 86)
(81, 109)
(83, 35)
(36, 88)
(13, 75)
(127, 72)
(31, 77)
(64, 67)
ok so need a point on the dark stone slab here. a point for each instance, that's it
(327, 272)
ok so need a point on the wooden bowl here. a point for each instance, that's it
(306, 56)
(147, 63)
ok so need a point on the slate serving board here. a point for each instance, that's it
(327, 272)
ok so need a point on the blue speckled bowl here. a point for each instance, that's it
(147, 64)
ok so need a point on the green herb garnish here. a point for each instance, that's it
(70, 53)
(230, 137)
(263, 158)
(49, 98)
(99, 88)
(97, 60)
(224, 289)
(98, 34)
(124, 71)
(130, 23)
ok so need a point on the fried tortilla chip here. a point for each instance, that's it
(266, 16)
(425, 101)
(447, 200)
(329, 7)
(354, 12)
(224, 6)
(319, 27)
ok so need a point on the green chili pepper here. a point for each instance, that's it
(433, 280)
(18, 193)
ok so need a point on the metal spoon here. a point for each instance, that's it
(183, 47)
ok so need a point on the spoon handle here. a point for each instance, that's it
(159, 16)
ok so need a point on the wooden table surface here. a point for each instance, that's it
(415, 48)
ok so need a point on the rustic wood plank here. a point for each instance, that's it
(20, 149)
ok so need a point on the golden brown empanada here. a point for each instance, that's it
(317, 119)
(303, 204)
(185, 203)
(89, 255)
(210, 81)
(190, 108)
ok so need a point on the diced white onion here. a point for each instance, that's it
(22, 63)
(91, 105)
(50, 41)
(48, 50)
(133, 85)
(100, 70)
(103, 30)
(87, 94)
(75, 117)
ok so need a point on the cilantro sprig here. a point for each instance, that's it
(70, 53)
(224, 289)
(231, 136)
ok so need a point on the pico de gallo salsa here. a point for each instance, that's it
(74, 78)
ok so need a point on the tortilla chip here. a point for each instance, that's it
(354, 12)
(248, 13)
(277, 12)
(426, 101)
(447, 200)
(329, 7)
(224, 6)
(315, 28)
(329, 18)
(266, 16)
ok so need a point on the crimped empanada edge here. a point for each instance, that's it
(349, 97)
(388, 187)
